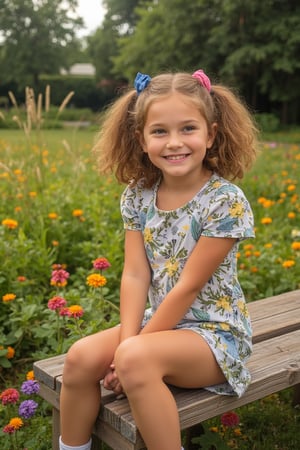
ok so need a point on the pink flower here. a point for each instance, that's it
(9, 396)
(230, 419)
(56, 303)
(64, 311)
(101, 264)
(59, 277)
(8, 429)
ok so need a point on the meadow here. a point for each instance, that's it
(61, 252)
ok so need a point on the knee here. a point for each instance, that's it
(79, 363)
(131, 364)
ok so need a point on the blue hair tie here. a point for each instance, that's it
(141, 82)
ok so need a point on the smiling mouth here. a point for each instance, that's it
(176, 157)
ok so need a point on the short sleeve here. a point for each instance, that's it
(129, 211)
(229, 214)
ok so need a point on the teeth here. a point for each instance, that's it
(175, 157)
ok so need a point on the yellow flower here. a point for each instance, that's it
(8, 298)
(148, 235)
(266, 220)
(16, 423)
(291, 215)
(291, 187)
(224, 303)
(10, 223)
(32, 194)
(237, 210)
(268, 245)
(96, 280)
(288, 263)
(171, 266)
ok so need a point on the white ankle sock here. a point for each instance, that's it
(86, 446)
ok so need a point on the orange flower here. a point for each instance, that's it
(30, 375)
(295, 246)
(10, 352)
(77, 213)
(96, 280)
(266, 220)
(291, 215)
(75, 311)
(16, 423)
(53, 216)
(8, 298)
(288, 263)
(10, 223)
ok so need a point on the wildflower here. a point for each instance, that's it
(77, 213)
(56, 303)
(55, 243)
(230, 419)
(10, 352)
(11, 224)
(30, 387)
(291, 215)
(27, 408)
(16, 423)
(64, 311)
(75, 311)
(295, 246)
(295, 233)
(268, 245)
(8, 298)
(59, 277)
(266, 220)
(9, 396)
(21, 279)
(288, 263)
(30, 375)
(291, 187)
(32, 194)
(101, 264)
(52, 215)
(8, 429)
(96, 280)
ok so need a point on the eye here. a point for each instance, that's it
(158, 131)
(189, 128)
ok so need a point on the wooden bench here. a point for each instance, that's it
(274, 366)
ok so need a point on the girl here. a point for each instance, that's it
(175, 140)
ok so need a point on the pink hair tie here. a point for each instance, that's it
(203, 79)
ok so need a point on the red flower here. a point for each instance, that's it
(59, 277)
(9, 396)
(230, 419)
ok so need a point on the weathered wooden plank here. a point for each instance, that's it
(48, 369)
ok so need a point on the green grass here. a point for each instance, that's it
(51, 174)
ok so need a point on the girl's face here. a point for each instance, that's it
(176, 137)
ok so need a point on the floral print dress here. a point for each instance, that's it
(219, 313)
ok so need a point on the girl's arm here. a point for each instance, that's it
(134, 284)
(206, 257)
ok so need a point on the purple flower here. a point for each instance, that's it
(27, 408)
(30, 387)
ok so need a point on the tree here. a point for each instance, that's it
(37, 37)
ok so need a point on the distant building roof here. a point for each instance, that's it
(81, 69)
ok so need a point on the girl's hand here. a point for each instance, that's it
(111, 381)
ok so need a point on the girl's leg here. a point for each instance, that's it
(86, 364)
(144, 365)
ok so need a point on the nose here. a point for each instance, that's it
(174, 141)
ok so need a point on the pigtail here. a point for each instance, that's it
(235, 146)
(117, 147)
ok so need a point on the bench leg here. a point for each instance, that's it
(296, 396)
(55, 429)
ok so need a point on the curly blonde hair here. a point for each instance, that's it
(118, 148)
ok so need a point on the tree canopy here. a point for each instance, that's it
(37, 37)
